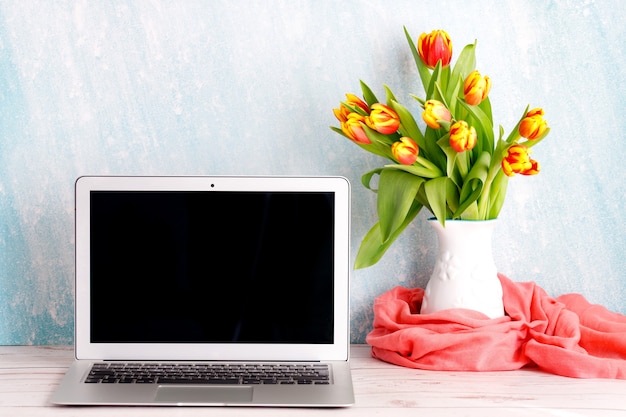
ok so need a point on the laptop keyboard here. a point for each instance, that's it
(218, 373)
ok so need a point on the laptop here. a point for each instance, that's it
(211, 291)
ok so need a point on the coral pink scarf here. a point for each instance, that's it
(566, 336)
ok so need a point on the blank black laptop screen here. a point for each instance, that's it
(211, 267)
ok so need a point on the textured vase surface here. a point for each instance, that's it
(465, 275)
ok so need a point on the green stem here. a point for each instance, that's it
(430, 166)
(485, 197)
(462, 163)
(483, 200)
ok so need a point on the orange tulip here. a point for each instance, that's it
(533, 126)
(476, 88)
(462, 136)
(435, 47)
(405, 151)
(353, 128)
(383, 119)
(433, 111)
(517, 161)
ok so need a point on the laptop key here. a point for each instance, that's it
(252, 380)
(109, 381)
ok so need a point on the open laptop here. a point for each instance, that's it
(211, 291)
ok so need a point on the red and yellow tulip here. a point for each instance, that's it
(462, 136)
(353, 101)
(353, 128)
(533, 126)
(434, 47)
(517, 161)
(405, 151)
(434, 111)
(476, 87)
(383, 119)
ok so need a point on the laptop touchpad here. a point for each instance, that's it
(204, 394)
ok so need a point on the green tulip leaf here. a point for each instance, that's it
(479, 172)
(368, 94)
(464, 64)
(396, 192)
(373, 246)
(431, 150)
(384, 141)
(436, 194)
(421, 67)
(337, 130)
(417, 170)
(366, 179)
(485, 106)
(452, 197)
(497, 195)
(451, 157)
(408, 126)
(389, 94)
(484, 127)
(439, 83)
(473, 188)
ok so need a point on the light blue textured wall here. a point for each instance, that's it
(248, 87)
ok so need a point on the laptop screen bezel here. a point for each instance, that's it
(337, 350)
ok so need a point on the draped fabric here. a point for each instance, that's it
(565, 335)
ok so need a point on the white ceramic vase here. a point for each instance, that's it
(465, 275)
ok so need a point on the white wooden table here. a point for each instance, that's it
(29, 374)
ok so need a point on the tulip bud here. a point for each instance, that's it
(405, 151)
(462, 136)
(353, 128)
(433, 111)
(535, 112)
(383, 119)
(353, 101)
(435, 47)
(533, 126)
(340, 114)
(517, 161)
(476, 88)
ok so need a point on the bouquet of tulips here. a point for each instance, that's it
(455, 167)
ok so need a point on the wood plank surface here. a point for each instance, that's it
(29, 374)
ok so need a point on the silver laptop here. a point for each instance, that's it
(211, 291)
